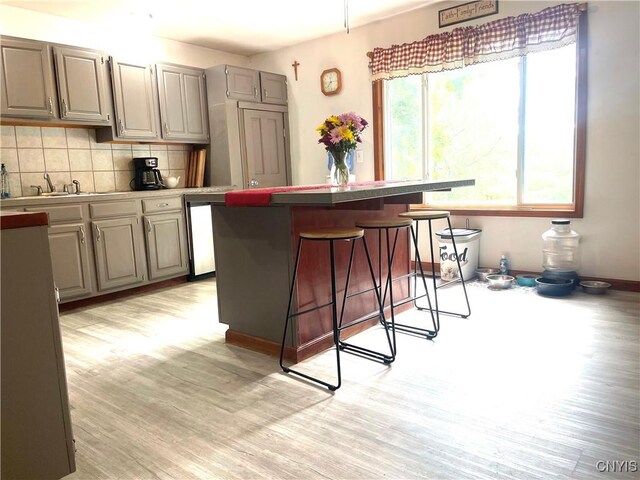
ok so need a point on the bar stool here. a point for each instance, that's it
(429, 216)
(331, 235)
(387, 224)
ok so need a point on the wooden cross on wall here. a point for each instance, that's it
(295, 65)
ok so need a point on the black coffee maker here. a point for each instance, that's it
(147, 176)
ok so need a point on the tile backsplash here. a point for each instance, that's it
(68, 154)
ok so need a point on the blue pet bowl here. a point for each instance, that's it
(525, 280)
(554, 287)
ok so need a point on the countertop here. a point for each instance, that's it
(22, 219)
(90, 197)
(216, 195)
(334, 195)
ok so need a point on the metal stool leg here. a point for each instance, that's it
(418, 264)
(356, 349)
(437, 287)
(464, 288)
(334, 313)
(337, 321)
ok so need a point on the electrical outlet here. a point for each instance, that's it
(359, 156)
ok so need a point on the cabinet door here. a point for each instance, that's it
(26, 80)
(274, 88)
(242, 84)
(264, 148)
(135, 100)
(70, 260)
(118, 252)
(183, 103)
(166, 245)
(81, 87)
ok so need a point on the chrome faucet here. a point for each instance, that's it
(52, 188)
(77, 184)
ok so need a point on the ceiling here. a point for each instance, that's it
(245, 27)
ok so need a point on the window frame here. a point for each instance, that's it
(576, 209)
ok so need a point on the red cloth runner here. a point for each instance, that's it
(261, 197)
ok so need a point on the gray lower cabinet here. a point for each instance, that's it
(70, 253)
(183, 103)
(135, 95)
(166, 245)
(27, 83)
(118, 252)
(70, 260)
(82, 86)
(104, 246)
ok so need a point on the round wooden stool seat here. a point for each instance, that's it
(333, 233)
(425, 214)
(391, 222)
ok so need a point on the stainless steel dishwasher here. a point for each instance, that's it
(201, 253)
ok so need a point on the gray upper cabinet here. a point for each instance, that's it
(183, 103)
(273, 88)
(82, 89)
(243, 84)
(135, 100)
(27, 81)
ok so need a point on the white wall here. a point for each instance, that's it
(611, 223)
(123, 41)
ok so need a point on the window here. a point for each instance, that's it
(509, 124)
(503, 102)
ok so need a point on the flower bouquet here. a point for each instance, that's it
(340, 134)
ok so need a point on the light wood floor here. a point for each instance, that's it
(527, 387)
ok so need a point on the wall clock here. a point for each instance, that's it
(331, 81)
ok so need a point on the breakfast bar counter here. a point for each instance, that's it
(256, 235)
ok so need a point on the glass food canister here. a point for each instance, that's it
(561, 247)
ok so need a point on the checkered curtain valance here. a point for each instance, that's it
(508, 37)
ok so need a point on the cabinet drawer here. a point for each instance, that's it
(113, 209)
(61, 213)
(161, 204)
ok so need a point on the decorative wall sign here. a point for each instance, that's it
(467, 11)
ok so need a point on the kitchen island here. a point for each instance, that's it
(255, 250)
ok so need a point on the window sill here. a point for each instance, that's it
(502, 211)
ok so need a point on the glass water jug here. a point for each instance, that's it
(561, 247)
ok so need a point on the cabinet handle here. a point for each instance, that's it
(82, 234)
(265, 93)
(162, 205)
(97, 233)
(57, 290)
(64, 107)
(148, 225)
(255, 91)
(166, 128)
(50, 106)
(121, 126)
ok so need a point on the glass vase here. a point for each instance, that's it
(339, 169)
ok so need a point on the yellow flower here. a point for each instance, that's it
(333, 119)
(346, 133)
(321, 129)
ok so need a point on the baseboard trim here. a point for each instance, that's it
(304, 351)
(85, 302)
(616, 284)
